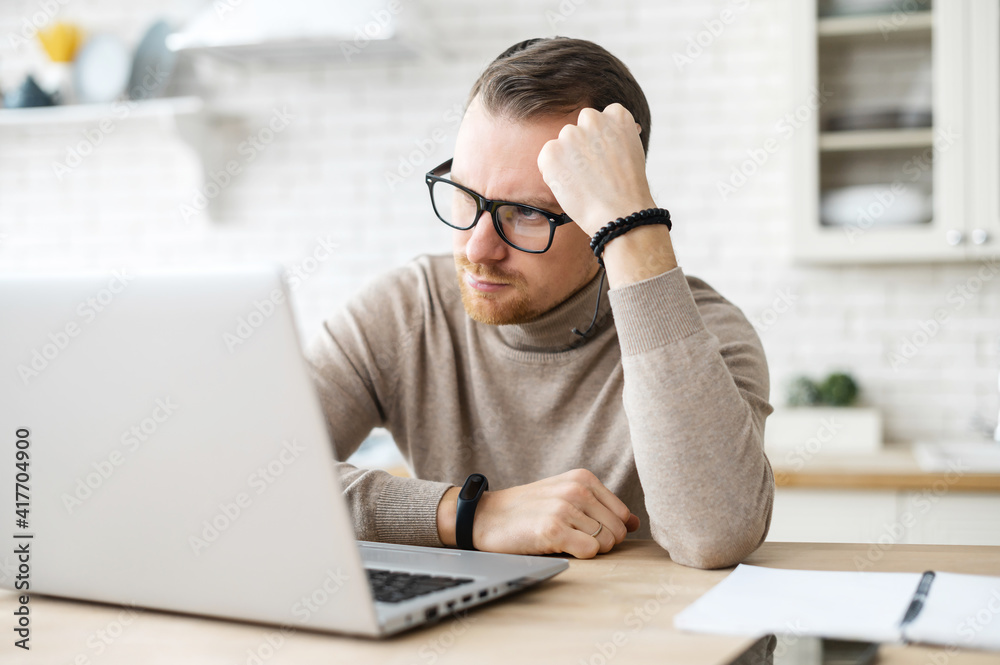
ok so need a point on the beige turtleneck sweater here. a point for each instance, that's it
(664, 401)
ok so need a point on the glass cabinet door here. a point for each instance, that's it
(884, 175)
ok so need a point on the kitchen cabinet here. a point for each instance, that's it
(905, 130)
(984, 176)
(883, 499)
(885, 518)
(830, 516)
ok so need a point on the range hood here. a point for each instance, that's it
(294, 31)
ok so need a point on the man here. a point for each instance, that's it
(648, 420)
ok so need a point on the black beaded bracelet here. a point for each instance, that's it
(623, 225)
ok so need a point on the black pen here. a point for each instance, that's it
(917, 604)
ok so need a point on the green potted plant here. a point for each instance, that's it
(823, 418)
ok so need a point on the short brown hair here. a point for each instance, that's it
(548, 76)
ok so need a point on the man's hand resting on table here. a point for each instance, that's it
(552, 515)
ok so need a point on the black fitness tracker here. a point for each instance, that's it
(468, 499)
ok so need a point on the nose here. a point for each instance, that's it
(482, 244)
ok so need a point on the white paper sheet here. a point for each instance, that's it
(961, 610)
(755, 601)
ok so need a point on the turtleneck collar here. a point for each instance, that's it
(553, 330)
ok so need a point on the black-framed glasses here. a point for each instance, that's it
(521, 226)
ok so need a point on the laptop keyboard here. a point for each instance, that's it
(393, 586)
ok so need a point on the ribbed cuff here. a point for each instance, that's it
(654, 312)
(406, 511)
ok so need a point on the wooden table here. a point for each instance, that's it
(618, 608)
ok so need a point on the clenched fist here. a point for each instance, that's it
(557, 514)
(596, 168)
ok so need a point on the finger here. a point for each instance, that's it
(578, 517)
(632, 524)
(587, 117)
(596, 510)
(602, 534)
(609, 500)
(580, 544)
(619, 112)
(607, 540)
(549, 162)
(568, 133)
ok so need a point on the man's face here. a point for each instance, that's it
(500, 284)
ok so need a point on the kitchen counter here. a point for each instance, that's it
(893, 468)
(883, 498)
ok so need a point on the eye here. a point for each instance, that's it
(523, 215)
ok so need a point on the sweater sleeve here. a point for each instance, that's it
(353, 361)
(696, 390)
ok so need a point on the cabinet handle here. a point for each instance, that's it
(980, 236)
(954, 237)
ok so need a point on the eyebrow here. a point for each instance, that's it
(550, 205)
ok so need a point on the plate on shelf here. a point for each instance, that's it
(101, 71)
(885, 204)
(153, 64)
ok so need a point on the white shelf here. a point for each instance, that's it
(874, 24)
(876, 139)
(87, 113)
(188, 119)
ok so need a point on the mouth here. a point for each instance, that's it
(483, 285)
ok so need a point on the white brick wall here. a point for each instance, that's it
(353, 123)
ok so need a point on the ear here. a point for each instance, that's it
(639, 127)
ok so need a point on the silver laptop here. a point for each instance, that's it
(163, 446)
